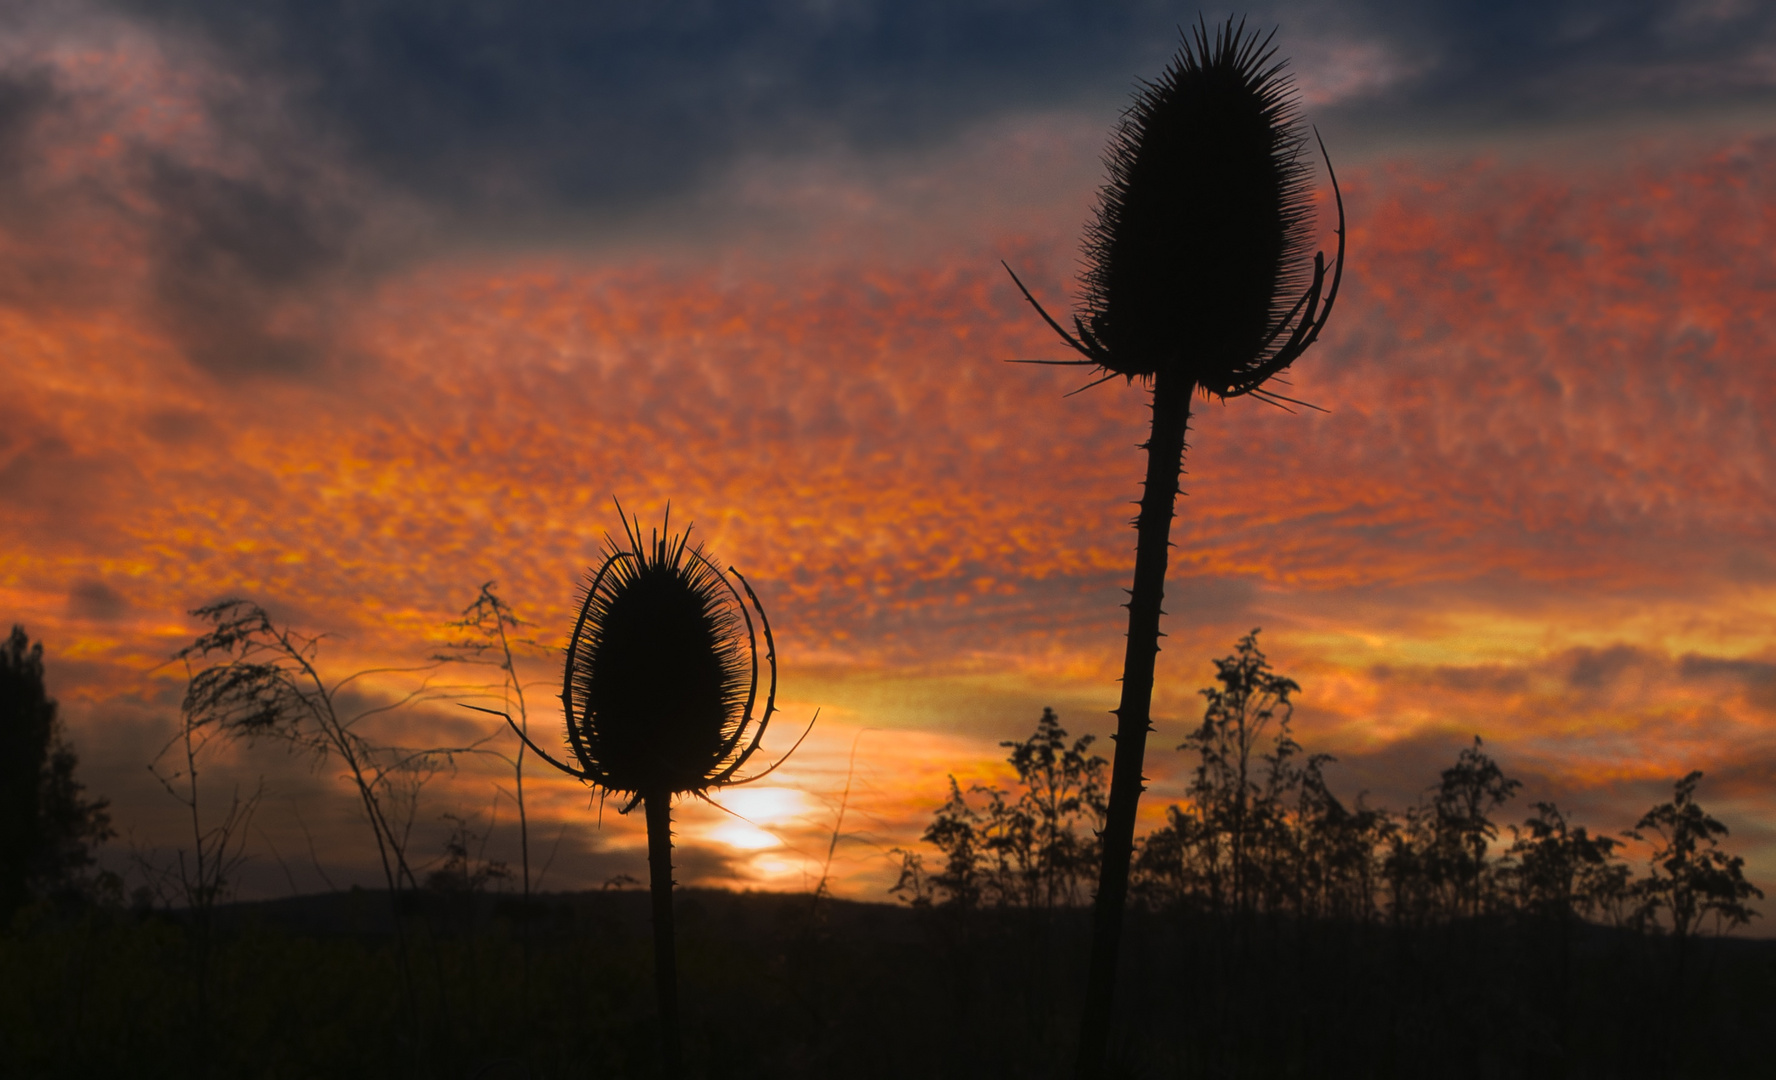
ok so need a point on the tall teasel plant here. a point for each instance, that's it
(661, 694)
(1196, 280)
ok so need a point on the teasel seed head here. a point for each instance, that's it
(662, 671)
(1197, 263)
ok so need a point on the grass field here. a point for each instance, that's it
(777, 985)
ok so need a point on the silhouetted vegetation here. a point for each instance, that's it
(1302, 935)
(48, 826)
(1692, 880)
(1196, 281)
(251, 678)
(1443, 949)
(487, 625)
(1262, 835)
(661, 684)
(254, 679)
(1039, 850)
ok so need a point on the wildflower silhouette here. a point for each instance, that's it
(1196, 279)
(660, 692)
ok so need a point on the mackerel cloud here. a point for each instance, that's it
(1535, 509)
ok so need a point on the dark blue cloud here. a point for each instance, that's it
(513, 106)
(227, 251)
(1493, 62)
(507, 105)
(24, 96)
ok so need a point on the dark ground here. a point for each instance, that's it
(778, 986)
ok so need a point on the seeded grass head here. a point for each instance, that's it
(1197, 263)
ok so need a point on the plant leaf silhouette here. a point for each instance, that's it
(1691, 878)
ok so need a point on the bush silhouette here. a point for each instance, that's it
(1036, 849)
(1692, 880)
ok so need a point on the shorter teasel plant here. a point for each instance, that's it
(661, 695)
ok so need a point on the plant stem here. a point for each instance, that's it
(658, 807)
(1165, 459)
(511, 673)
(201, 899)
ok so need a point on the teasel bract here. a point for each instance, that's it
(1196, 280)
(661, 694)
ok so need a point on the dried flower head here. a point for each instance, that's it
(1197, 262)
(662, 671)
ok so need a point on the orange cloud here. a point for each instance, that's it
(1537, 509)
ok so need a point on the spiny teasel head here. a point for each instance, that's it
(662, 671)
(1197, 264)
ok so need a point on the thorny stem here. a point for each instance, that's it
(658, 807)
(1165, 459)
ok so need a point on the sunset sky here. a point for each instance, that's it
(350, 307)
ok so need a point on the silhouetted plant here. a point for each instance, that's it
(661, 683)
(202, 877)
(490, 620)
(466, 869)
(1563, 873)
(206, 875)
(1409, 869)
(1690, 882)
(955, 834)
(1337, 869)
(266, 685)
(48, 827)
(1437, 865)
(1243, 805)
(1180, 864)
(823, 889)
(1466, 795)
(1195, 281)
(1037, 851)
(1691, 879)
(1054, 843)
(1262, 831)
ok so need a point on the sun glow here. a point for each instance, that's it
(741, 836)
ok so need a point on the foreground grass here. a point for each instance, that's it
(777, 986)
